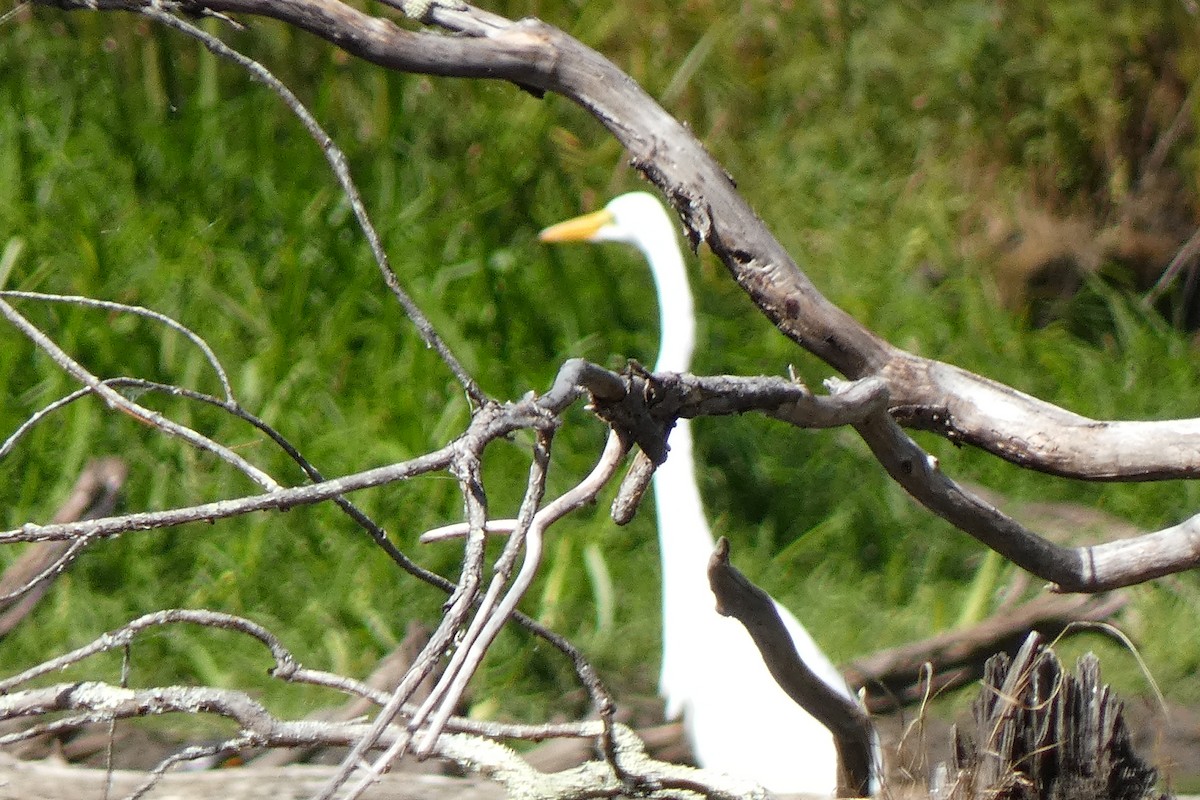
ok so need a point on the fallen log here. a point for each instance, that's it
(899, 677)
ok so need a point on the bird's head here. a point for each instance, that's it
(639, 219)
(634, 218)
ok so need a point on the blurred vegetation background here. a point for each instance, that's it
(978, 182)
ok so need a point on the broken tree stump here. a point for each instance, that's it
(1041, 733)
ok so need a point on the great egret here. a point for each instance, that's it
(737, 718)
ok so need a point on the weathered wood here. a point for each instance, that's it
(27, 579)
(852, 731)
(50, 780)
(1041, 733)
(898, 676)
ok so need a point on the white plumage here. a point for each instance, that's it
(738, 719)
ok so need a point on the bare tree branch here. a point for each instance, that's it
(140, 413)
(852, 731)
(53, 780)
(1092, 568)
(97, 700)
(125, 308)
(93, 701)
(279, 500)
(341, 170)
(889, 388)
(925, 393)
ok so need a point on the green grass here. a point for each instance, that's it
(135, 167)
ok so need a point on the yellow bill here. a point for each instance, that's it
(579, 229)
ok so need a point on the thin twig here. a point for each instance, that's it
(584, 492)
(286, 667)
(163, 319)
(116, 401)
(601, 700)
(463, 597)
(227, 747)
(339, 166)
(493, 612)
(222, 509)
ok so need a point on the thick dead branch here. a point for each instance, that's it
(1084, 568)
(925, 393)
(633, 488)
(853, 734)
(681, 395)
(956, 657)
(1093, 568)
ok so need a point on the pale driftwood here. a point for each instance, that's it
(51, 780)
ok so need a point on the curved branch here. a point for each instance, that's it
(1031, 433)
(140, 311)
(852, 730)
(491, 617)
(140, 413)
(1089, 568)
(925, 392)
(339, 166)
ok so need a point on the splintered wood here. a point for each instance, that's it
(1040, 732)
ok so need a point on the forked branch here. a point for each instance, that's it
(889, 388)
(923, 393)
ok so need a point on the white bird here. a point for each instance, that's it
(737, 718)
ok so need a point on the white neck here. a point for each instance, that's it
(683, 531)
(684, 538)
(677, 316)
